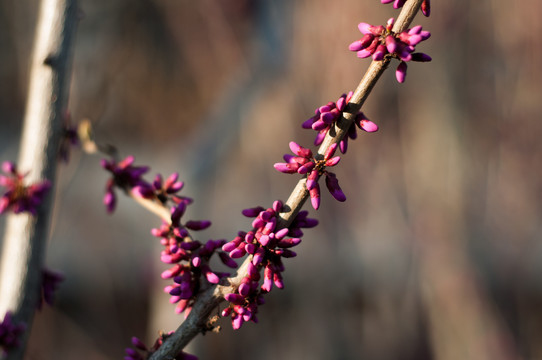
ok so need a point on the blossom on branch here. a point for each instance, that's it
(190, 258)
(380, 42)
(305, 163)
(267, 245)
(49, 284)
(139, 346)
(327, 115)
(162, 190)
(125, 176)
(425, 8)
(18, 196)
(10, 333)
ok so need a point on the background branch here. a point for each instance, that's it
(25, 235)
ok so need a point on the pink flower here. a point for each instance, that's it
(18, 196)
(125, 175)
(189, 258)
(305, 163)
(267, 245)
(139, 346)
(49, 284)
(327, 115)
(10, 333)
(381, 42)
(425, 8)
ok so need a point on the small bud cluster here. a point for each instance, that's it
(10, 333)
(190, 258)
(134, 354)
(380, 42)
(18, 196)
(129, 178)
(125, 176)
(327, 115)
(49, 284)
(305, 163)
(267, 245)
(425, 8)
(162, 190)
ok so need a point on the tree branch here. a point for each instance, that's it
(210, 298)
(26, 235)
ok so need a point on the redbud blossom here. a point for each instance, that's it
(19, 197)
(10, 333)
(49, 285)
(189, 258)
(425, 7)
(327, 115)
(267, 245)
(305, 161)
(381, 42)
(132, 354)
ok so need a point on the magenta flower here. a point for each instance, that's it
(10, 333)
(305, 163)
(162, 190)
(49, 285)
(380, 42)
(327, 115)
(125, 176)
(426, 6)
(267, 245)
(19, 197)
(139, 346)
(189, 258)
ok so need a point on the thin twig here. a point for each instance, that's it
(208, 300)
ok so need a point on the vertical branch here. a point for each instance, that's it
(25, 235)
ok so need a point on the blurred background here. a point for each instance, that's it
(437, 252)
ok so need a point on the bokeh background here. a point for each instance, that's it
(437, 252)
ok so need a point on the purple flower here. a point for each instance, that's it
(132, 354)
(125, 176)
(380, 42)
(426, 6)
(49, 284)
(190, 258)
(267, 245)
(327, 115)
(162, 190)
(305, 163)
(10, 333)
(19, 197)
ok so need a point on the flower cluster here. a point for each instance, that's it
(327, 115)
(305, 163)
(267, 245)
(10, 333)
(129, 178)
(190, 258)
(380, 41)
(49, 284)
(125, 176)
(19, 197)
(132, 354)
(162, 190)
(426, 5)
